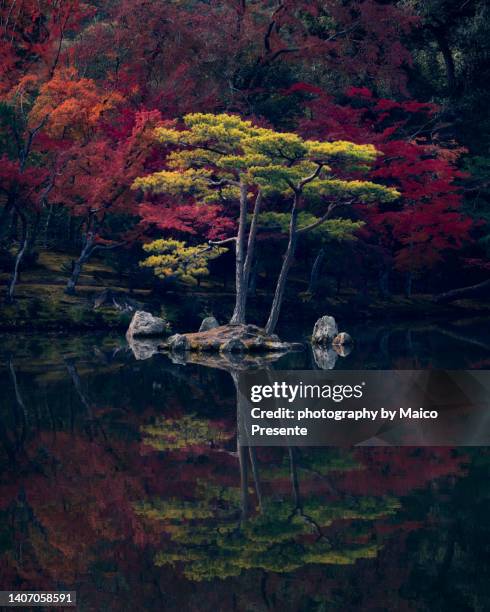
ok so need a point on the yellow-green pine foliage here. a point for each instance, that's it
(209, 541)
(175, 259)
(215, 152)
(330, 230)
(187, 431)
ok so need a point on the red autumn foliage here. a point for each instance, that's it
(427, 221)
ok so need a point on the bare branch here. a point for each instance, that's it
(331, 207)
(107, 247)
(219, 242)
(223, 183)
(27, 147)
(280, 52)
(310, 178)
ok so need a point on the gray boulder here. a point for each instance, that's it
(208, 323)
(324, 331)
(178, 343)
(145, 324)
(342, 339)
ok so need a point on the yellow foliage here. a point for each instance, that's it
(217, 152)
(174, 259)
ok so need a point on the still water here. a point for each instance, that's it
(121, 480)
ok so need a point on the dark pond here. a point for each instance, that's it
(121, 480)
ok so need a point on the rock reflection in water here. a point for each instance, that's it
(230, 362)
(144, 348)
(326, 357)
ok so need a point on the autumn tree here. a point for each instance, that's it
(211, 163)
(418, 230)
(32, 39)
(224, 158)
(97, 183)
(258, 50)
(305, 172)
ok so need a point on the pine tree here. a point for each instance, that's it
(225, 159)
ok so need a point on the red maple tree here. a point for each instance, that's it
(416, 231)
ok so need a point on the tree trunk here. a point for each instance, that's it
(315, 271)
(256, 475)
(286, 265)
(20, 254)
(294, 477)
(46, 226)
(447, 55)
(19, 401)
(243, 462)
(78, 265)
(249, 259)
(241, 291)
(34, 231)
(244, 259)
(75, 377)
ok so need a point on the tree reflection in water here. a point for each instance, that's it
(122, 479)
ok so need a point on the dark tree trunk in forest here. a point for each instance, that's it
(315, 271)
(243, 462)
(283, 274)
(89, 246)
(244, 256)
(78, 264)
(249, 267)
(13, 225)
(256, 475)
(24, 241)
(294, 477)
(7, 209)
(239, 310)
(442, 42)
(34, 231)
(47, 224)
(291, 248)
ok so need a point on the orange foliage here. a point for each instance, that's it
(71, 106)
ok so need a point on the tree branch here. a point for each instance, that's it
(310, 178)
(219, 242)
(107, 247)
(331, 207)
